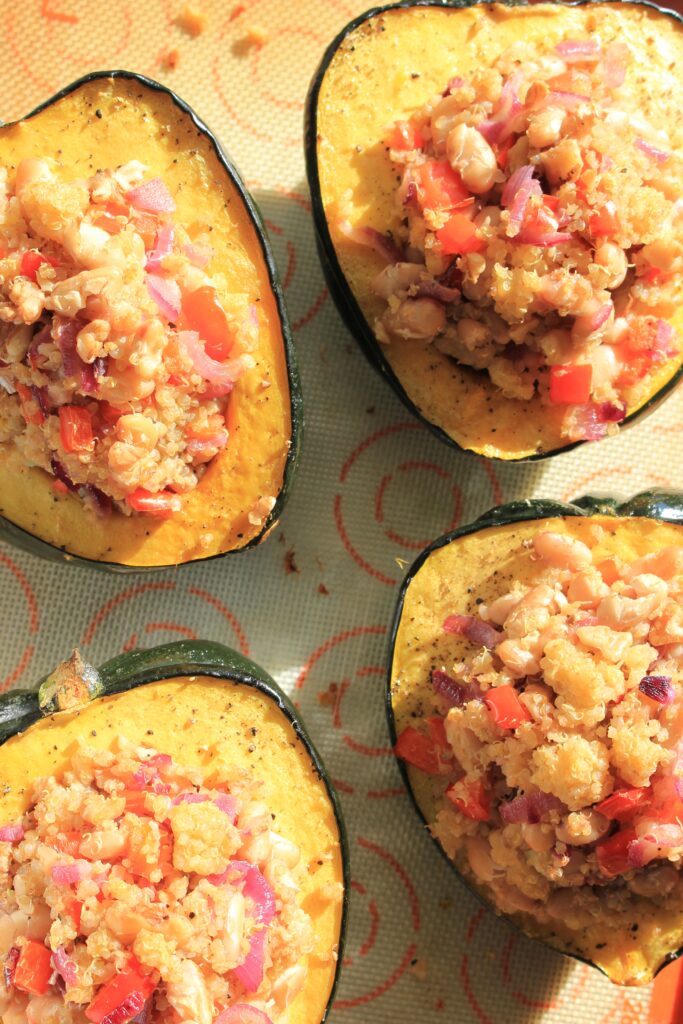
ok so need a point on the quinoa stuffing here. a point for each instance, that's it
(542, 230)
(117, 357)
(558, 735)
(138, 889)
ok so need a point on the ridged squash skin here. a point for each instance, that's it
(478, 560)
(193, 699)
(383, 66)
(102, 121)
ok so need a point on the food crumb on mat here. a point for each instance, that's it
(192, 19)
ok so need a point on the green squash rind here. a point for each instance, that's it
(664, 506)
(20, 708)
(346, 303)
(20, 538)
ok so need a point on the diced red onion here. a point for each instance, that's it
(10, 966)
(152, 196)
(163, 245)
(235, 872)
(663, 834)
(431, 289)
(574, 51)
(166, 294)
(665, 342)
(474, 629)
(561, 98)
(198, 255)
(658, 688)
(531, 236)
(250, 971)
(594, 321)
(589, 422)
(199, 445)
(65, 967)
(587, 620)
(227, 804)
(372, 239)
(44, 335)
(65, 335)
(210, 369)
(456, 82)
(102, 503)
(659, 155)
(190, 798)
(455, 694)
(147, 777)
(11, 833)
(257, 889)
(70, 874)
(242, 1013)
(501, 125)
(520, 200)
(143, 1017)
(617, 56)
(529, 808)
(61, 474)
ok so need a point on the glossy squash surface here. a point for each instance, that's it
(384, 66)
(99, 122)
(195, 701)
(478, 562)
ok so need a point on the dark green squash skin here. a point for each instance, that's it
(20, 538)
(20, 708)
(665, 506)
(344, 300)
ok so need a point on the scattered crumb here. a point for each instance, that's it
(236, 11)
(192, 19)
(328, 698)
(439, 1004)
(281, 538)
(418, 968)
(370, 410)
(256, 35)
(290, 563)
(169, 59)
(322, 589)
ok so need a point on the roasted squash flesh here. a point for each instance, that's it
(458, 575)
(384, 68)
(101, 123)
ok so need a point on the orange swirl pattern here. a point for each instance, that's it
(313, 605)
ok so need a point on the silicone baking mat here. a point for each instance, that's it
(312, 605)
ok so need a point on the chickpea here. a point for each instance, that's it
(472, 333)
(545, 127)
(137, 430)
(612, 259)
(416, 319)
(562, 552)
(471, 156)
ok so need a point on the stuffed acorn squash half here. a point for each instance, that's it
(496, 197)
(536, 703)
(171, 810)
(150, 408)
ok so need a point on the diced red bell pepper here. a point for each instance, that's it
(505, 707)
(75, 910)
(608, 570)
(612, 853)
(112, 995)
(624, 803)
(203, 313)
(419, 750)
(32, 261)
(502, 150)
(163, 503)
(471, 798)
(439, 187)
(34, 968)
(571, 384)
(75, 428)
(459, 236)
(66, 842)
(405, 135)
(604, 221)
(30, 406)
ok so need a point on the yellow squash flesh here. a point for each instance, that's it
(390, 66)
(195, 719)
(139, 123)
(483, 566)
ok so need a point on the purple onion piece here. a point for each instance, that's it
(454, 693)
(100, 366)
(145, 1013)
(40, 395)
(10, 966)
(434, 290)
(476, 630)
(529, 808)
(658, 688)
(88, 381)
(61, 474)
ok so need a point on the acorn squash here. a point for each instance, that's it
(187, 699)
(383, 66)
(101, 121)
(456, 573)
